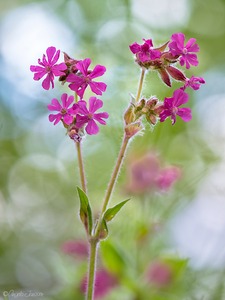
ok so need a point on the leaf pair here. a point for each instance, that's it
(86, 215)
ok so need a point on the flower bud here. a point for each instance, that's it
(133, 128)
(75, 134)
(175, 73)
(164, 76)
(129, 116)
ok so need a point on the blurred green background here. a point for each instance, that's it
(38, 168)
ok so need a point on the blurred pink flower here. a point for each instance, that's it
(171, 107)
(84, 77)
(186, 53)
(49, 68)
(167, 177)
(159, 274)
(65, 112)
(147, 175)
(142, 174)
(104, 282)
(89, 116)
(77, 248)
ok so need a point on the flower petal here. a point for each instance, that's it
(98, 71)
(50, 53)
(180, 97)
(81, 120)
(46, 83)
(55, 118)
(94, 104)
(135, 48)
(83, 107)
(83, 65)
(185, 114)
(100, 116)
(97, 87)
(68, 119)
(92, 127)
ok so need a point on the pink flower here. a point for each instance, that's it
(186, 54)
(145, 52)
(65, 112)
(104, 282)
(48, 67)
(142, 174)
(89, 117)
(146, 175)
(159, 274)
(76, 248)
(85, 77)
(171, 107)
(193, 82)
(167, 177)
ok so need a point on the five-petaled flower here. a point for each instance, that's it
(177, 48)
(49, 68)
(145, 52)
(89, 116)
(84, 77)
(171, 107)
(65, 113)
(193, 82)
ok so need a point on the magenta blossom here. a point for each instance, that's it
(193, 82)
(104, 283)
(48, 67)
(159, 274)
(77, 248)
(177, 48)
(145, 52)
(65, 112)
(167, 177)
(89, 117)
(171, 107)
(85, 77)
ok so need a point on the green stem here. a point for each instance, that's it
(112, 182)
(81, 167)
(115, 173)
(91, 270)
(140, 85)
(95, 238)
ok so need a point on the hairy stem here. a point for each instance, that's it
(112, 181)
(140, 85)
(91, 270)
(115, 173)
(81, 167)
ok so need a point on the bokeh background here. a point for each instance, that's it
(163, 245)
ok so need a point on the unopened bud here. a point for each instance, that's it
(133, 128)
(129, 116)
(165, 77)
(175, 73)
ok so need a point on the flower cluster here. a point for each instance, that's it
(146, 175)
(75, 115)
(162, 59)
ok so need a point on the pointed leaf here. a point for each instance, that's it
(111, 212)
(85, 210)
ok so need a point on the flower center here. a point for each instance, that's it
(48, 69)
(63, 111)
(185, 51)
(174, 110)
(90, 116)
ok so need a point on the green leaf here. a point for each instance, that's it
(85, 210)
(113, 257)
(111, 212)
